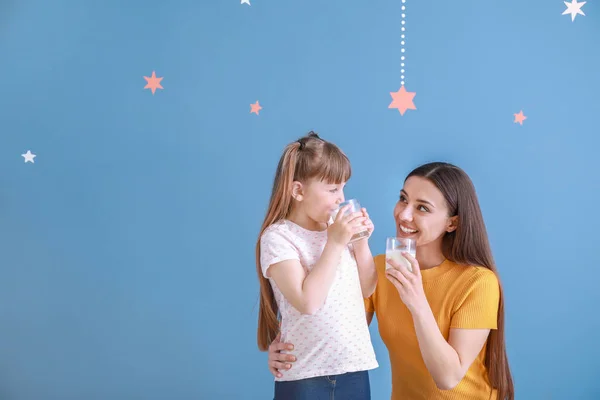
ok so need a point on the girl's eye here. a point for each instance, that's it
(334, 190)
(402, 198)
(423, 208)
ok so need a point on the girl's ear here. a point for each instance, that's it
(297, 191)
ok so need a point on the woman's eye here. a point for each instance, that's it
(423, 208)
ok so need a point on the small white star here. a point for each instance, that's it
(29, 157)
(574, 8)
(245, 2)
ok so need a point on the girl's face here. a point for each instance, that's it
(422, 213)
(319, 199)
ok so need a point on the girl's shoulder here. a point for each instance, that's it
(277, 231)
(278, 226)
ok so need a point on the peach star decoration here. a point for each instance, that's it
(520, 117)
(255, 108)
(402, 100)
(153, 82)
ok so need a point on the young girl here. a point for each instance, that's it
(312, 281)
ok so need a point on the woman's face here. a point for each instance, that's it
(422, 213)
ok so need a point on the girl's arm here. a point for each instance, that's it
(366, 267)
(307, 292)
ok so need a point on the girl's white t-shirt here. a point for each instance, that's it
(334, 340)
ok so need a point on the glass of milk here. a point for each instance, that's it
(394, 247)
(354, 207)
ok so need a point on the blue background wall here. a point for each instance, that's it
(127, 248)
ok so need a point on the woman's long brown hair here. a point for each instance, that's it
(310, 157)
(469, 245)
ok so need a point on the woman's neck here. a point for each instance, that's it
(430, 255)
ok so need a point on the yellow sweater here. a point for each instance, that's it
(460, 297)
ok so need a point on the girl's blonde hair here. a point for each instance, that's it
(310, 157)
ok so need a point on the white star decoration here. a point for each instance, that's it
(574, 8)
(29, 157)
(245, 2)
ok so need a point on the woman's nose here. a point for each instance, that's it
(405, 214)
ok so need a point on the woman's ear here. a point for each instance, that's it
(452, 224)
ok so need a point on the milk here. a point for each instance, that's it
(397, 256)
(355, 208)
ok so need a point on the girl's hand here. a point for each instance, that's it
(345, 226)
(368, 223)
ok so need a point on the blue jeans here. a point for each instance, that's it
(348, 386)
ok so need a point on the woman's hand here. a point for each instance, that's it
(277, 360)
(409, 284)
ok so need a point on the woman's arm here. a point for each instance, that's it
(447, 361)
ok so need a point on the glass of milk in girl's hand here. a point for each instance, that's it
(394, 247)
(354, 207)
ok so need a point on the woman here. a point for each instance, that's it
(443, 323)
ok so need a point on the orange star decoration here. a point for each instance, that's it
(255, 108)
(153, 82)
(520, 117)
(402, 100)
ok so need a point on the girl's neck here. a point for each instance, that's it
(301, 219)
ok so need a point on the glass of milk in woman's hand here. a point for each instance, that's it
(394, 247)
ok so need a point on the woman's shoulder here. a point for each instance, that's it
(476, 278)
(474, 272)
